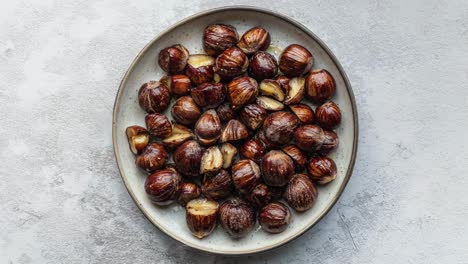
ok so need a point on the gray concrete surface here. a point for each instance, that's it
(61, 196)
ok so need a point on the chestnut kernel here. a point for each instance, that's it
(158, 125)
(279, 127)
(153, 157)
(272, 88)
(277, 168)
(231, 63)
(245, 175)
(225, 112)
(253, 115)
(322, 170)
(138, 138)
(260, 195)
(254, 39)
(229, 153)
(242, 91)
(208, 95)
(212, 160)
(304, 113)
(237, 217)
(154, 97)
(208, 128)
(300, 193)
(299, 158)
(201, 216)
(200, 68)
(218, 186)
(233, 131)
(163, 186)
(320, 85)
(296, 91)
(188, 192)
(253, 149)
(309, 137)
(177, 84)
(217, 38)
(185, 111)
(269, 104)
(262, 66)
(328, 115)
(295, 60)
(274, 217)
(330, 142)
(187, 158)
(179, 135)
(173, 59)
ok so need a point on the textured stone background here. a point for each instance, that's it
(61, 196)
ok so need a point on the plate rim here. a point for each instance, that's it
(306, 31)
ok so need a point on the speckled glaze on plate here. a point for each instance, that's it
(284, 31)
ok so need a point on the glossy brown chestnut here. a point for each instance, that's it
(208, 95)
(237, 217)
(328, 115)
(309, 137)
(225, 112)
(254, 39)
(229, 153)
(231, 63)
(242, 91)
(173, 59)
(272, 88)
(218, 186)
(330, 142)
(277, 168)
(296, 91)
(253, 115)
(217, 38)
(299, 158)
(187, 158)
(208, 128)
(154, 97)
(163, 186)
(320, 85)
(279, 127)
(295, 60)
(188, 192)
(304, 113)
(179, 135)
(300, 193)
(259, 196)
(274, 217)
(177, 84)
(138, 138)
(262, 66)
(234, 131)
(212, 160)
(153, 157)
(185, 111)
(253, 149)
(245, 175)
(322, 170)
(268, 144)
(201, 216)
(200, 68)
(158, 125)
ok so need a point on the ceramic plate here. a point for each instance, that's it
(284, 31)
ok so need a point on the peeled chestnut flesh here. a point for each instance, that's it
(212, 160)
(237, 217)
(262, 66)
(300, 193)
(217, 186)
(272, 88)
(295, 60)
(201, 216)
(304, 113)
(229, 153)
(138, 138)
(154, 97)
(153, 157)
(179, 135)
(177, 84)
(259, 196)
(299, 158)
(158, 125)
(218, 37)
(269, 103)
(274, 217)
(330, 142)
(173, 59)
(277, 168)
(254, 39)
(208, 95)
(309, 137)
(322, 170)
(328, 115)
(320, 85)
(253, 149)
(242, 91)
(186, 111)
(253, 115)
(188, 191)
(200, 68)
(231, 63)
(296, 91)
(187, 158)
(279, 127)
(163, 186)
(245, 175)
(234, 131)
(208, 128)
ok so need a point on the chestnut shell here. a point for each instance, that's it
(187, 158)
(245, 175)
(153, 157)
(231, 63)
(277, 168)
(262, 66)
(173, 59)
(185, 111)
(328, 115)
(322, 170)
(237, 217)
(217, 186)
(154, 97)
(208, 95)
(253, 116)
(309, 137)
(279, 127)
(274, 217)
(158, 125)
(218, 37)
(253, 149)
(300, 193)
(295, 60)
(163, 186)
(320, 85)
(188, 191)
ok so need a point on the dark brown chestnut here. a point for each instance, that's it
(154, 97)
(259, 196)
(234, 131)
(163, 186)
(186, 111)
(277, 168)
(200, 68)
(179, 135)
(212, 160)
(138, 138)
(242, 91)
(217, 186)
(231, 63)
(158, 125)
(300, 193)
(309, 137)
(187, 158)
(274, 217)
(173, 59)
(320, 85)
(229, 153)
(225, 112)
(177, 84)
(328, 115)
(153, 157)
(322, 170)
(208, 128)
(279, 127)
(253, 149)
(304, 113)
(253, 115)
(245, 175)
(208, 95)
(188, 192)
(254, 39)
(330, 142)
(268, 144)
(272, 88)
(296, 91)
(201, 216)
(299, 158)
(262, 66)
(237, 217)
(295, 60)
(218, 37)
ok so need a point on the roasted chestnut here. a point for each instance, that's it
(208, 95)
(330, 142)
(158, 125)
(279, 127)
(296, 91)
(177, 84)
(212, 160)
(163, 186)
(245, 175)
(263, 65)
(208, 128)
(185, 111)
(225, 112)
(274, 217)
(304, 113)
(253, 115)
(299, 158)
(272, 88)
(173, 59)
(259, 196)
(154, 97)
(188, 191)
(295, 60)
(219, 37)
(320, 85)
(153, 157)
(179, 135)
(284, 82)
(300, 193)
(237, 217)
(233, 131)
(277, 168)
(217, 186)
(201, 216)
(187, 158)
(322, 170)
(253, 149)
(229, 153)
(254, 39)
(328, 115)
(309, 137)
(242, 91)
(269, 104)
(268, 144)
(231, 63)
(138, 138)
(200, 68)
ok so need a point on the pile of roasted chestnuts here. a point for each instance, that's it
(241, 143)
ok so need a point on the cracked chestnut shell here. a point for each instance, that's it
(188, 191)
(320, 85)
(218, 37)
(201, 216)
(154, 97)
(277, 168)
(300, 193)
(177, 84)
(153, 157)
(245, 175)
(303, 112)
(328, 115)
(279, 127)
(237, 217)
(163, 186)
(242, 91)
(309, 137)
(158, 125)
(322, 170)
(295, 60)
(234, 131)
(138, 138)
(254, 39)
(299, 158)
(259, 196)
(231, 63)
(274, 217)
(208, 95)
(253, 149)
(173, 59)
(330, 142)
(200, 68)
(262, 66)
(217, 186)
(253, 115)
(179, 135)
(208, 128)
(187, 158)
(225, 112)
(186, 111)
